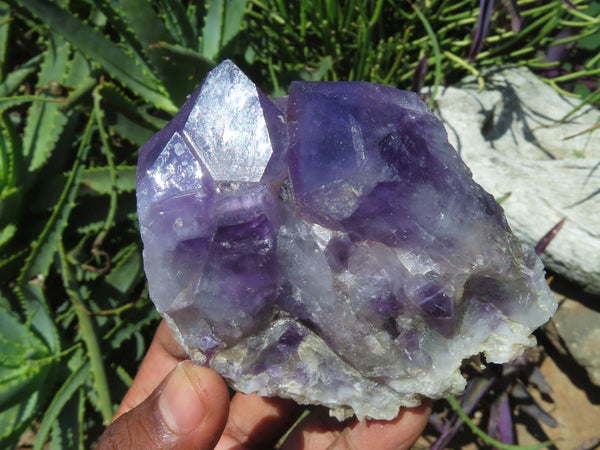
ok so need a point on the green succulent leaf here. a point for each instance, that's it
(223, 22)
(145, 23)
(10, 158)
(4, 37)
(126, 118)
(129, 71)
(33, 301)
(26, 366)
(46, 120)
(17, 418)
(101, 389)
(127, 273)
(97, 180)
(36, 267)
(232, 21)
(14, 80)
(184, 68)
(149, 29)
(6, 234)
(10, 200)
(69, 388)
(43, 249)
(68, 429)
(179, 23)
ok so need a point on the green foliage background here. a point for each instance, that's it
(84, 83)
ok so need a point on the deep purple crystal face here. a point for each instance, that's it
(238, 285)
(329, 247)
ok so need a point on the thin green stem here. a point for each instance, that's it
(589, 20)
(376, 13)
(575, 75)
(89, 336)
(461, 62)
(592, 62)
(483, 435)
(112, 208)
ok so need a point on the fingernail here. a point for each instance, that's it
(179, 403)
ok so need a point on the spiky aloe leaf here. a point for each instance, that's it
(149, 29)
(4, 37)
(6, 234)
(11, 194)
(127, 119)
(211, 34)
(46, 120)
(68, 429)
(69, 388)
(44, 248)
(94, 181)
(178, 22)
(98, 180)
(17, 418)
(29, 283)
(232, 21)
(101, 390)
(10, 157)
(26, 365)
(184, 69)
(129, 71)
(79, 79)
(126, 273)
(223, 22)
(13, 80)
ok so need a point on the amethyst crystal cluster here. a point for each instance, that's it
(329, 247)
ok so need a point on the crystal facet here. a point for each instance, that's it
(330, 247)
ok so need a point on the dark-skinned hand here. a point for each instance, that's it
(173, 403)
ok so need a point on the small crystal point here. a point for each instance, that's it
(330, 247)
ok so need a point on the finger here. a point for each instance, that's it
(316, 431)
(188, 410)
(163, 356)
(319, 431)
(257, 422)
(398, 434)
(168, 342)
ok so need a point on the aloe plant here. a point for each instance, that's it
(89, 83)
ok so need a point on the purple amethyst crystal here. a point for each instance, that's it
(330, 247)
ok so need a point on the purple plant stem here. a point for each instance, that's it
(558, 54)
(543, 242)
(419, 75)
(482, 27)
(500, 424)
(515, 17)
(476, 389)
(537, 378)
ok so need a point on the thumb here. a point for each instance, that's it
(188, 409)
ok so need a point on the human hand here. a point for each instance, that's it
(173, 403)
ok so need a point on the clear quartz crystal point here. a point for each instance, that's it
(330, 247)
